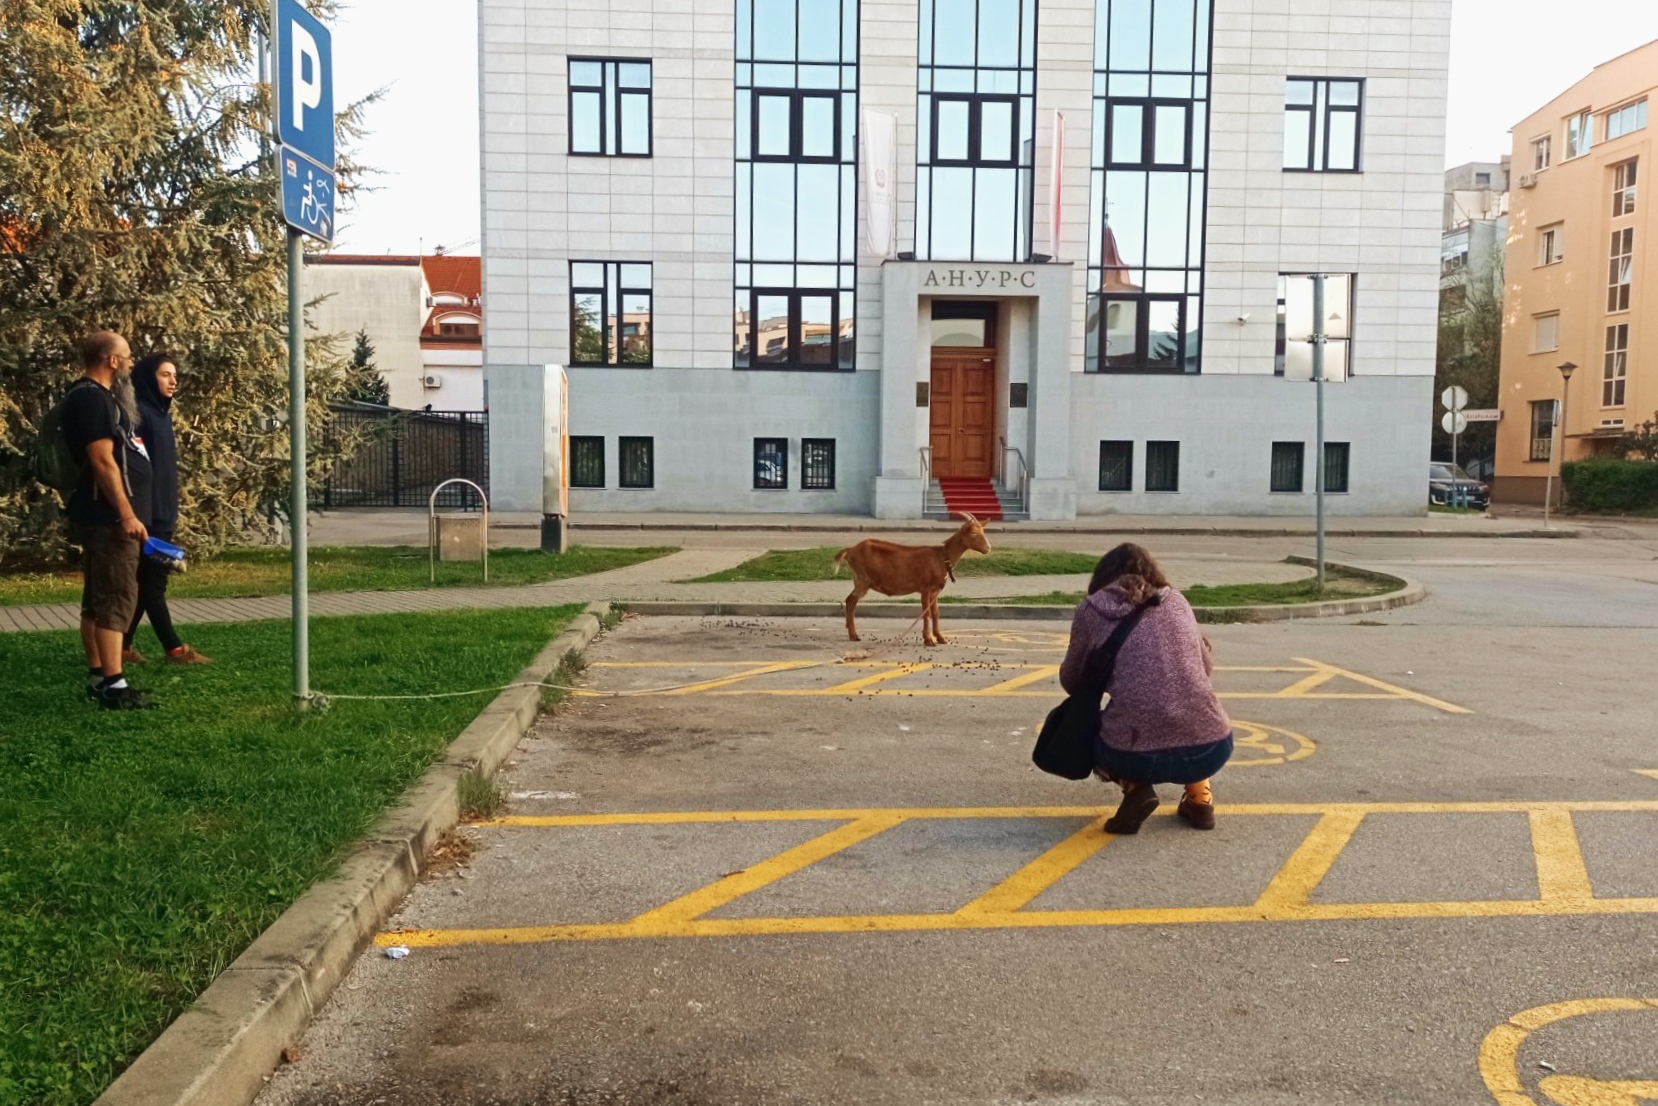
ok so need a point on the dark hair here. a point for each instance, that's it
(97, 347)
(143, 378)
(1130, 567)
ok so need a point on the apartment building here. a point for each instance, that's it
(890, 256)
(1575, 289)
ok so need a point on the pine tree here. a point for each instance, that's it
(132, 197)
(364, 383)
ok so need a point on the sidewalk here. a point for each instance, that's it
(652, 581)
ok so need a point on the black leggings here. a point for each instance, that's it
(152, 601)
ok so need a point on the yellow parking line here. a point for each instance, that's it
(1024, 886)
(1500, 1051)
(1042, 673)
(854, 686)
(1309, 864)
(1321, 675)
(1396, 692)
(762, 670)
(1561, 873)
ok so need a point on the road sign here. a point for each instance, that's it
(305, 80)
(1454, 422)
(1483, 414)
(307, 195)
(1455, 398)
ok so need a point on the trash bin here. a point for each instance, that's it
(460, 537)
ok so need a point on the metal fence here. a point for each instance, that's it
(403, 455)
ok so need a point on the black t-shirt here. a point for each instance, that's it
(89, 415)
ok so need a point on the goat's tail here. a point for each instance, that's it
(840, 559)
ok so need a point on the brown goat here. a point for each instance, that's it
(894, 569)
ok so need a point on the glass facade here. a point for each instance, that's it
(975, 129)
(796, 184)
(1148, 196)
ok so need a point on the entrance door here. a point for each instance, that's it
(963, 412)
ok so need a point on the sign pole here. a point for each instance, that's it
(298, 512)
(1318, 386)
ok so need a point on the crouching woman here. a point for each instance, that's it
(1162, 723)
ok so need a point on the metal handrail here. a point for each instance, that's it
(1024, 473)
(926, 474)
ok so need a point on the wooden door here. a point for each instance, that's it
(963, 415)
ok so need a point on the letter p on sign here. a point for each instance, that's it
(305, 83)
(307, 75)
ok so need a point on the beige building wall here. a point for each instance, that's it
(382, 296)
(1573, 196)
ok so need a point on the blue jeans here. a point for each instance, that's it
(1188, 765)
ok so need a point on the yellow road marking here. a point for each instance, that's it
(1022, 887)
(1041, 674)
(1500, 1051)
(1575, 1090)
(1306, 868)
(1396, 692)
(1561, 873)
(1279, 746)
(1650, 773)
(854, 686)
(1321, 675)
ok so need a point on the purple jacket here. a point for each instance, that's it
(1161, 693)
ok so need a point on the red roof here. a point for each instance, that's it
(449, 275)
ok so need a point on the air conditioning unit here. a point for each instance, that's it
(432, 380)
(1528, 180)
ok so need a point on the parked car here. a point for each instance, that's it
(1450, 485)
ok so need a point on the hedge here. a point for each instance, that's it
(1608, 484)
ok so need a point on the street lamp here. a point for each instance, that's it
(1566, 371)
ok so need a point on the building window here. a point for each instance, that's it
(976, 124)
(1626, 120)
(1116, 466)
(1545, 335)
(1323, 121)
(796, 185)
(610, 107)
(1336, 457)
(1580, 134)
(1620, 269)
(1623, 190)
(1162, 466)
(1617, 366)
(1551, 246)
(771, 464)
(638, 461)
(1482, 180)
(1288, 461)
(459, 330)
(586, 462)
(1541, 150)
(1149, 186)
(1295, 326)
(610, 313)
(817, 464)
(1542, 429)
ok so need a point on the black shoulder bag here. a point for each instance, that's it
(1065, 747)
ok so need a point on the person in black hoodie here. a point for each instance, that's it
(156, 381)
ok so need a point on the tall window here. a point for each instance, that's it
(1551, 244)
(1545, 336)
(1295, 326)
(1323, 123)
(586, 462)
(1288, 461)
(1148, 196)
(1623, 190)
(1116, 466)
(1626, 120)
(1580, 134)
(638, 462)
(976, 129)
(1162, 466)
(1541, 150)
(1617, 366)
(1620, 269)
(1542, 429)
(610, 107)
(817, 464)
(1336, 458)
(796, 184)
(610, 313)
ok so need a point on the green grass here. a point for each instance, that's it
(1338, 585)
(263, 570)
(140, 853)
(817, 564)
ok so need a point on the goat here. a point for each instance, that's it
(894, 569)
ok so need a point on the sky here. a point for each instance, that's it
(1508, 58)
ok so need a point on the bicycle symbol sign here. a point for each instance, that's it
(307, 195)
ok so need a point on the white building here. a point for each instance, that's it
(806, 255)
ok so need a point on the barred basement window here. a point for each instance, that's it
(1288, 463)
(1116, 466)
(638, 460)
(817, 464)
(771, 463)
(1162, 466)
(1336, 456)
(586, 462)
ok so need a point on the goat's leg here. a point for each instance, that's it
(859, 590)
(938, 630)
(928, 598)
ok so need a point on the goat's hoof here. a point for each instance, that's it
(853, 637)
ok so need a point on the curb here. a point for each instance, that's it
(1037, 528)
(220, 1051)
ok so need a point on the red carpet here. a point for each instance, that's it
(972, 496)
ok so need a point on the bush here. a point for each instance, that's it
(1608, 484)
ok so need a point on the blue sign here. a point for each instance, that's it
(305, 83)
(307, 195)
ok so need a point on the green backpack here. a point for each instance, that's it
(55, 464)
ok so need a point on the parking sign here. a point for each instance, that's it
(305, 82)
(307, 195)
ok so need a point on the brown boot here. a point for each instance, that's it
(133, 656)
(1197, 806)
(186, 655)
(1139, 800)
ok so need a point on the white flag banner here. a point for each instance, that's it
(880, 183)
(1056, 188)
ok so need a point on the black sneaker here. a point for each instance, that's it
(127, 698)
